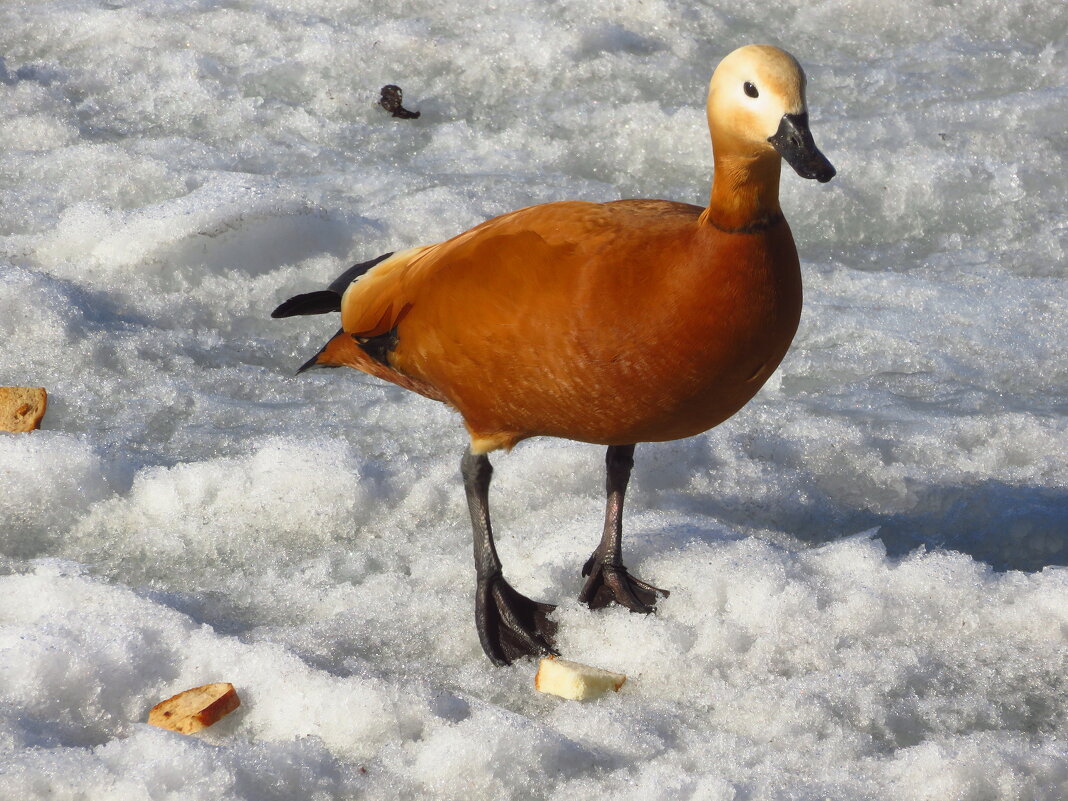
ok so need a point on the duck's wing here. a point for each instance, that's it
(511, 301)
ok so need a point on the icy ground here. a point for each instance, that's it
(869, 599)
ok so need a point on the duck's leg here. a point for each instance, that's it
(609, 580)
(509, 625)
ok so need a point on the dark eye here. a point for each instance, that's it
(750, 89)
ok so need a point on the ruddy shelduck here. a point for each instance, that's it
(609, 323)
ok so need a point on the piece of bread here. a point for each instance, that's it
(574, 680)
(195, 709)
(21, 408)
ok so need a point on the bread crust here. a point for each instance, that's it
(195, 709)
(22, 408)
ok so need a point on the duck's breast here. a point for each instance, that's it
(731, 315)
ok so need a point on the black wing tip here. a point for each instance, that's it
(308, 365)
(314, 364)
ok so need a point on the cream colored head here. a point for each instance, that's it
(776, 78)
(756, 107)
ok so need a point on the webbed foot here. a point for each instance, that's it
(609, 583)
(510, 625)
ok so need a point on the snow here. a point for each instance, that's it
(869, 598)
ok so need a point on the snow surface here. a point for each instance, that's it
(866, 563)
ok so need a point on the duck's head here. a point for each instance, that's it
(756, 108)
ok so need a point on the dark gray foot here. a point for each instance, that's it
(511, 626)
(608, 583)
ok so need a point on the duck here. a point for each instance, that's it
(610, 323)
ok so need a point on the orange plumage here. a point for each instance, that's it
(609, 323)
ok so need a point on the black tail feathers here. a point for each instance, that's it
(341, 283)
(321, 302)
(326, 300)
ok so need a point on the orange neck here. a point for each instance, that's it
(745, 192)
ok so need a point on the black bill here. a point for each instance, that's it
(794, 142)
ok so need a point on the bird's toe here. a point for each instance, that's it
(607, 584)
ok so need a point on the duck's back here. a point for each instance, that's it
(611, 323)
